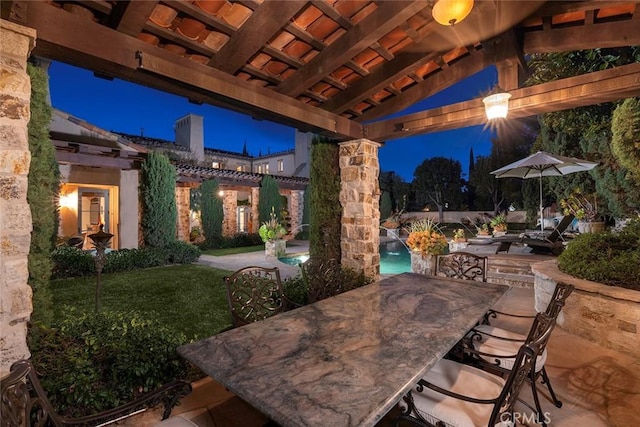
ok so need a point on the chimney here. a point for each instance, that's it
(189, 133)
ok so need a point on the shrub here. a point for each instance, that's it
(42, 191)
(295, 290)
(236, 241)
(159, 212)
(93, 362)
(212, 213)
(609, 258)
(73, 262)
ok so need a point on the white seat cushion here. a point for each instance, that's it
(461, 379)
(176, 421)
(497, 347)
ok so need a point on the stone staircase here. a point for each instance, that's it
(513, 270)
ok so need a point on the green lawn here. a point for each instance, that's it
(187, 298)
(233, 251)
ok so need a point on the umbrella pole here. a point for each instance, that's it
(541, 208)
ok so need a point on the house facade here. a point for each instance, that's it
(100, 175)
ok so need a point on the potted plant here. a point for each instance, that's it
(585, 209)
(499, 224)
(392, 224)
(483, 230)
(459, 241)
(271, 233)
(425, 242)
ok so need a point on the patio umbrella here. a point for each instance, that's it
(543, 164)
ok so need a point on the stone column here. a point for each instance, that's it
(296, 208)
(230, 210)
(128, 215)
(254, 221)
(359, 197)
(15, 226)
(183, 205)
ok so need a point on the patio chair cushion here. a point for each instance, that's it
(498, 347)
(462, 379)
(176, 421)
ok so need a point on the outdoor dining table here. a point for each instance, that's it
(345, 360)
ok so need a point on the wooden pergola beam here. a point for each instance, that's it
(587, 89)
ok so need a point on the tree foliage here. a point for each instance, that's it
(324, 196)
(269, 199)
(625, 142)
(439, 181)
(42, 192)
(585, 132)
(398, 191)
(212, 213)
(159, 212)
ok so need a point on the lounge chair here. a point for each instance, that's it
(552, 243)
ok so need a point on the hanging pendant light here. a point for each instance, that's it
(450, 12)
(496, 105)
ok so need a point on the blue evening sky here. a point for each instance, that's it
(126, 107)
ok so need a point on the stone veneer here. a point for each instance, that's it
(359, 197)
(15, 226)
(606, 315)
(230, 210)
(254, 220)
(296, 208)
(183, 206)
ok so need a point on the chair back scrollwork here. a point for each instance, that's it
(253, 294)
(462, 265)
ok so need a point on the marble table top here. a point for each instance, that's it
(346, 360)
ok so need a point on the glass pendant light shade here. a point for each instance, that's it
(496, 105)
(450, 12)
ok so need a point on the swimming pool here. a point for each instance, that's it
(394, 258)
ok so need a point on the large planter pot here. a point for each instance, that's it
(393, 233)
(458, 246)
(275, 248)
(590, 227)
(423, 264)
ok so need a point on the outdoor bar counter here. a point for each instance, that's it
(346, 360)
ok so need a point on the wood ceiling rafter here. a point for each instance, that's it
(609, 34)
(134, 16)
(354, 41)
(261, 26)
(586, 89)
(118, 52)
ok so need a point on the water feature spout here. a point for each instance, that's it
(298, 228)
(394, 235)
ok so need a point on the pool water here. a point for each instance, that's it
(394, 258)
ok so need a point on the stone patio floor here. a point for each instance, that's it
(598, 386)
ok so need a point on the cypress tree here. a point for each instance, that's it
(385, 205)
(159, 212)
(269, 199)
(212, 213)
(324, 189)
(42, 193)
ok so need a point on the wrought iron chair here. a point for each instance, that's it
(462, 265)
(495, 349)
(254, 293)
(438, 398)
(322, 277)
(25, 403)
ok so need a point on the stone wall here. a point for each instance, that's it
(296, 209)
(606, 315)
(183, 205)
(15, 223)
(230, 210)
(254, 220)
(359, 197)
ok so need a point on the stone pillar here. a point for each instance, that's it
(15, 226)
(359, 197)
(183, 205)
(254, 221)
(296, 208)
(230, 210)
(128, 215)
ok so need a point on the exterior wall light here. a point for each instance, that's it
(450, 12)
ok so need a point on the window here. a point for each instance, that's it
(266, 168)
(280, 165)
(240, 168)
(216, 165)
(260, 169)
